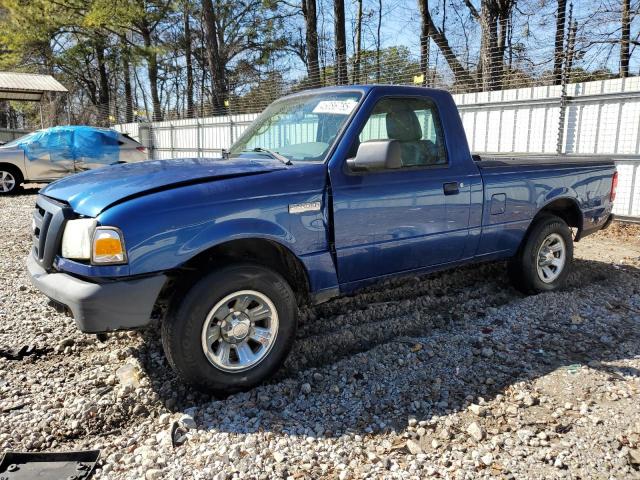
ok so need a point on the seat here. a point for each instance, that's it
(403, 125)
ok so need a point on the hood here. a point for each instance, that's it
(89, 193)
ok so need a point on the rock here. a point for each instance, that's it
(414, 447)
(476, 431)
(164, 419)
(64, 343)
(278, 456)
(305, 388)
(128, 376)
(487, 352)
(524, 435)
(477, 410)
(487, 459)
(153, 474)
(187, 421)
(634, 456)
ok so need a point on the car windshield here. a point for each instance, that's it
(300, 128)
(19, 141)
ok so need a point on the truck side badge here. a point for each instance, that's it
(304, 207)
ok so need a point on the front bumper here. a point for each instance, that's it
(100, 307)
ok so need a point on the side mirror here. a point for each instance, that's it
(376, 155)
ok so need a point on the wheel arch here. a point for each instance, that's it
(565, 208)
(13, 167)
(259, 250)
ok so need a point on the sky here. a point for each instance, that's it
(534, 27)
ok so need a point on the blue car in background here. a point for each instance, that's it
(50, 154)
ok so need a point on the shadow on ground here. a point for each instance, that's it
(423, 346)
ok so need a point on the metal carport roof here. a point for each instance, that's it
(27, 86)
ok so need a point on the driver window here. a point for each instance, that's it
(414, 123)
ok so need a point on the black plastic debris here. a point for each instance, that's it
(48, 466)
(24, 351)
(178, 435)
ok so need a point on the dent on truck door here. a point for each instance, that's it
(402, 219)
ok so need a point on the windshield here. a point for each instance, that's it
(301, 128)
(19, 141)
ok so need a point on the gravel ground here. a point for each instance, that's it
(455, 375)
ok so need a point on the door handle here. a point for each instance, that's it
(451, 188)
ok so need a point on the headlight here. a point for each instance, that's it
(84, 240)
(76, 240)
(108, 246)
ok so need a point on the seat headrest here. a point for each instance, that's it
(403, 125)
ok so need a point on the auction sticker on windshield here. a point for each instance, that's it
(335, 107)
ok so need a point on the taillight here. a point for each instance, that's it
(614, 186)
(141, 149)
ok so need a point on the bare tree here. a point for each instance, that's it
(378, 41)
(309, 11)
(461, 74)
(358, 44)
(188, 57)
(425, 34)
(216, 65)
(625, 38)
(340, 42)
(126, 78)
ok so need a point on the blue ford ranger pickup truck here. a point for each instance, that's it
(327, 191)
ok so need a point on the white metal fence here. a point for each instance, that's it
(591, 118)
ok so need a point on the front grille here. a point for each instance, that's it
(49, 219)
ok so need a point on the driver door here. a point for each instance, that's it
(397, 220)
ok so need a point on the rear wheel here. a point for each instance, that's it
(10, 180)
(232, 330)
(545, 258)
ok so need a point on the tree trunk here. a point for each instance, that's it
(559, 42)
(152, 67)
(358, 46)
(489, 45)
(425, 34)
(378, 42)
(440, 39)
(216, 66)
(341, 43)
(103, 89)
(311, 24)
(504, 26)
(126, 77)
(625, 38)
(188, 59)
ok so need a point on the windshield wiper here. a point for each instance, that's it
(273, 154)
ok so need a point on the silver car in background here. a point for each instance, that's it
(47, 155)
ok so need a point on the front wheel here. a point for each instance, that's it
(232, 330)
(545, 258)
(10, 180)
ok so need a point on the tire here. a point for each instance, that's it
(208, 320)
(10, 179)
(549, 236)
